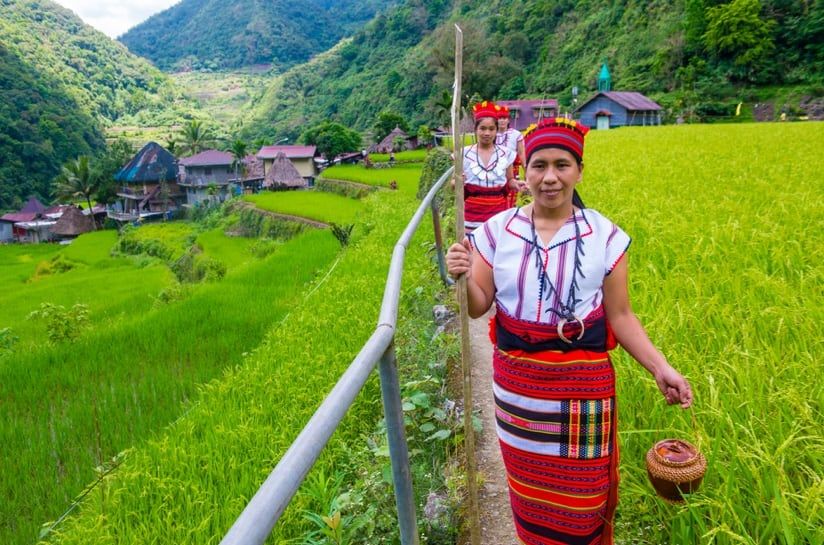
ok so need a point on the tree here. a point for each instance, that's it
(332, 139)
(195, 136)
(424, 135)
(736, 32)
(117, 154)
(238, 151)
(386, 123)
(77, 180)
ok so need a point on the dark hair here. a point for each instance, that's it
(478, 121)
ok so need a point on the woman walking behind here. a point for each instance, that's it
(487, 170)
(557, 274)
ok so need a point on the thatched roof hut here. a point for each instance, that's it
(150, 164)
(387, 144)
(283, 174)
(72, 223)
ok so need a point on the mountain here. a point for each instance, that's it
(700, 56)
(220, 34)
(62, 83)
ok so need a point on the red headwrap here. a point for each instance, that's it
(485, 109)
(503, 112)
(556, 132)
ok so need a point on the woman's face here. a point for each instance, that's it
(485, 131)
(551, 176)
(503, 124)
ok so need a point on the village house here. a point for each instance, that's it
(206, 176)
(251, 174)
(72, 223)
(610, 108)
(282, 174)
(148, 186)
(304, 159)
(387, 145)
(523, 113)
(31, 223)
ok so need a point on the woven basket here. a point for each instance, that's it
(675, 467)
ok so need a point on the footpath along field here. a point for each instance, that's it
(727, 224)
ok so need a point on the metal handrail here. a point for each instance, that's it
(262, 512)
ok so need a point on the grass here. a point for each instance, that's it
(318, 206)
(408, 156)
(111, 287)
(406, 175)
(232, 251)
(69, 408)
(725, 273)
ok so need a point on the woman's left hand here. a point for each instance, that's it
(674, 386)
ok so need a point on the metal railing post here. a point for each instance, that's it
(398, 452)
(436, 227)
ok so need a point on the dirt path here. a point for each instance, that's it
(493, 496)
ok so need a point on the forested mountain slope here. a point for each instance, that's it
(700, 56)
(214, 34)
(62, 82)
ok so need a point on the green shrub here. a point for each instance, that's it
(343, 187)
(62, 324)
(437, 161)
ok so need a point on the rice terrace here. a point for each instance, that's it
(181, 393)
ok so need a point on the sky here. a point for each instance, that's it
(114, 17)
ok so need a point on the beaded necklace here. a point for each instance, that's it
(477, 168)
(546, 289)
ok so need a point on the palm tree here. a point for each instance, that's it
(77, 180)
(195, 136)
(238, 151)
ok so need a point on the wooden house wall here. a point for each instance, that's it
(6, 231)
(619, 113)
(304, 165)
(219, 174)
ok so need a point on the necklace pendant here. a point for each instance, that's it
(564, 321)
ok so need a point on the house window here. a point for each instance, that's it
(207, 170)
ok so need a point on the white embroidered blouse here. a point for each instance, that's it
(505, 242)
(492, 174)
(509, 140)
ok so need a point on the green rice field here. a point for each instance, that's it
(408, 156)
(112, 287)
(727, 224)
(69, 408)
(318, 206)
(406, 174)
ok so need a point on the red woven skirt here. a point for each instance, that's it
(481, 203)
(556, 423)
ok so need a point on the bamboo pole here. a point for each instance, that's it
(466, 352)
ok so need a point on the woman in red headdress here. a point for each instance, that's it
(512, 140)
(557, 273)
(487, 169)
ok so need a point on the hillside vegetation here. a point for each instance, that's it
(212, 34)
(699, 58)
(63, 82)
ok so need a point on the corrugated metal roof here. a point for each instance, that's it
(208, 157)
(632, 100)
(292, 152)
(14, 217)
(149, 165)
